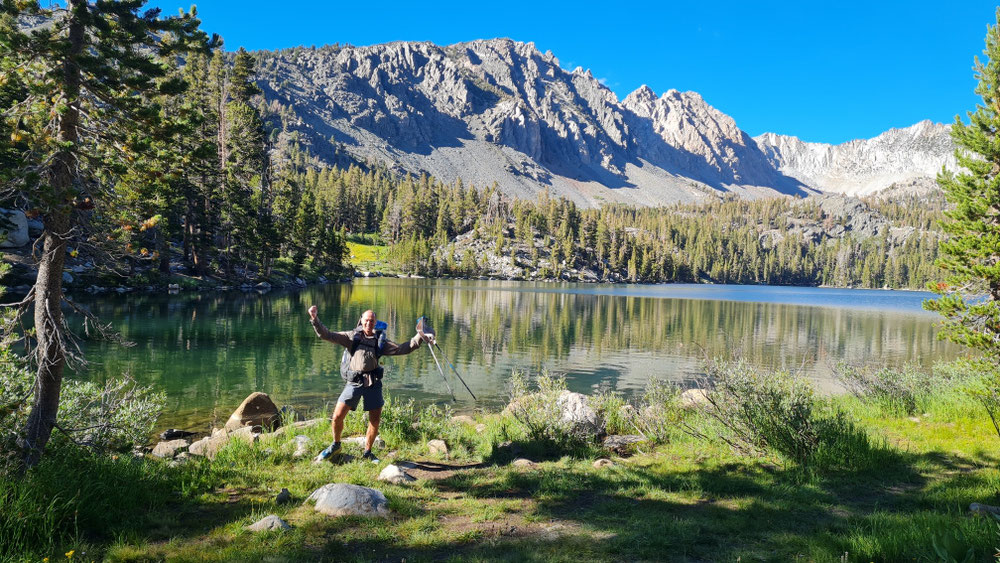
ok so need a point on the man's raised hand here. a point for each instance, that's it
(312, 312)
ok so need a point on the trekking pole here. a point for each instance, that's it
(441, 371)
(443, 355)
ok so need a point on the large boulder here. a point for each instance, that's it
(169, 449)
(577, 412)
(257, 409)
(13, 229)
(341, 499)
(35, 227)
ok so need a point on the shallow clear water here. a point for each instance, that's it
(208, 351)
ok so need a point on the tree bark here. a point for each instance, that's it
(50, 354)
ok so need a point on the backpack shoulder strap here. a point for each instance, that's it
(355, 341)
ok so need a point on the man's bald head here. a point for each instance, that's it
(368, 322)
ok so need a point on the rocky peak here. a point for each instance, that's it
(859, 167)
(498, 110)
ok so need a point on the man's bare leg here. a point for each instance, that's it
(374, 419)
(339, 416)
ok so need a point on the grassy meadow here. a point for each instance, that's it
(892, 482)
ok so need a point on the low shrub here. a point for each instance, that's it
(954, 389)
(775, 412)
(534, 405)
(903, 391)
(619, 415)
(116, 416)
(660, 414)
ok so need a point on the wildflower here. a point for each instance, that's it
(69, 554)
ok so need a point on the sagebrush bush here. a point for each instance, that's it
(765, 412)
(660, 413)
(116, 416)
(535, 407)
(901, 391)
(957, 388)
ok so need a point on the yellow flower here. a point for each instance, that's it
(69, 554)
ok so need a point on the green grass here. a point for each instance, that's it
(367, 257)
(685, 500)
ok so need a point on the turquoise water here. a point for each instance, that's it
(208, 351)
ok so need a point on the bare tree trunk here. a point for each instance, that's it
(163, 248)
(188, 229)
(51, 352)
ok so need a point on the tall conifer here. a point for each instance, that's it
(970, 296)
(90, 76)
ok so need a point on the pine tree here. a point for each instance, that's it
(970, 296)
(247, 192)
(86, 116)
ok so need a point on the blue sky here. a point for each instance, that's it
(827, 72)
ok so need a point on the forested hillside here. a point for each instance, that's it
(433, 228)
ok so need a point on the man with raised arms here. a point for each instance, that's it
(362, 374)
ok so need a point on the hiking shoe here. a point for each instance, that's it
(368, 455)
(327, 453)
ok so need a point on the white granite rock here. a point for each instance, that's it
(267, 523)
(437, 447)
(341, 499)
(395, 475)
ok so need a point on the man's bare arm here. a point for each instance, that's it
(342, 338)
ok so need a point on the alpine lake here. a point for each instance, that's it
(207, 351)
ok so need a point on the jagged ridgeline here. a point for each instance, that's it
(500, 111)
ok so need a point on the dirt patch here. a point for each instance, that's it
(432, 470)
(515, 526)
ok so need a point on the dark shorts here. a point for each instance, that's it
(352, 394)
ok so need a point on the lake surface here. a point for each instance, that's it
(208, 351)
